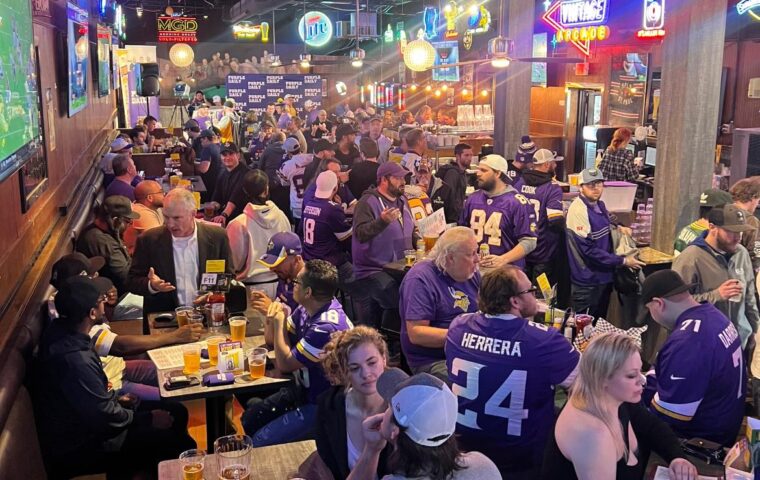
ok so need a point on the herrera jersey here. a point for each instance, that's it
(292, 172)
(499, 221)
(503, 370)
(699, 377)
(308, 337)
(324, 227)
(546, 200)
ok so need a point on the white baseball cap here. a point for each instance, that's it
(545, 156)
(422, 404)
(120, 144)
(308, 104)
(496, 162)
(216, 98)
(326, 183)
(291, 145)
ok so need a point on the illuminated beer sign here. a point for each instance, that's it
(177, 29)
(653, 24)
(315, 29)
(751, 7)
(579, 22)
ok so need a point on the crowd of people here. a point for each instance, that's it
(302, 223)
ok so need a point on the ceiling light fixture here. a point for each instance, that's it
(139, 10)
(357, 57)
(305, 60)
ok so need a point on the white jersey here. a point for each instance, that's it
(292, 172)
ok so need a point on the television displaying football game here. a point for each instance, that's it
(78, 57)
(19, 107)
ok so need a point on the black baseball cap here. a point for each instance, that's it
(229, 147)
(663, 284)
(77, 295)
(322, 145)
(72, 265)
(119, 206)
(192, 126)
(208, 133)
(343, 130)
(729, 217)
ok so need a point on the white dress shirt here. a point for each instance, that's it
(185, 251)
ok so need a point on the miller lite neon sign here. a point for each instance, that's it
(315, 29)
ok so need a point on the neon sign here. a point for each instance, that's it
(748, 6)
(654, 20)
(430, 22)
(315, 29)
(248, 31)
(579, 22)
(478, 19)
(177, 29)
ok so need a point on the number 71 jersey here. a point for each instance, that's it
(499, 221)
(503, 370)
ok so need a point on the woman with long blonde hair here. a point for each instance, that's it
(617, 163)
(603, 432)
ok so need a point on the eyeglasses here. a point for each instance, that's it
(530, 290)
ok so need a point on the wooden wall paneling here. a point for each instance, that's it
(747, 109)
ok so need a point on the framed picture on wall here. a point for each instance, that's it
(33, 175)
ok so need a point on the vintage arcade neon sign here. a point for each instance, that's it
(315, 29)
(177, 29)
(653, 24)
(748, 6)
(579, 22)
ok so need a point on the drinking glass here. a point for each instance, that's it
(195, 317)
(183, 315)
(257, 361)
(213, 348)
(191, 355)
(191, 464)
(233, 457)
(237, 329)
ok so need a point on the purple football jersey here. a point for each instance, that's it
(546, 200)
(700, 379)
(499, 221)
(285, 294)
(308, 337)
(324, 227)
(429, 294)
(503, 370)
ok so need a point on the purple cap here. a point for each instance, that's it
(392, 169)
(280, 246)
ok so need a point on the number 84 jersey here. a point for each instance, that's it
(503, 370)
(500, 221)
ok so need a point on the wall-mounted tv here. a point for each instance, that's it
(20, 134)
(104, 56)
(78, 55)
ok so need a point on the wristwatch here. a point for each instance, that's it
(226, 217)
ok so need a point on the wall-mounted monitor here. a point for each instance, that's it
(651, 157)
(78, 49)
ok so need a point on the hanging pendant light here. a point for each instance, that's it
(419, 54)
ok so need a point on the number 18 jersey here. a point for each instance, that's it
(499, 221)
(503, 370)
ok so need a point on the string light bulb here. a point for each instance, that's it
(484, 93)
(413, 87)
(464, 92)
(444, 87)
(437, 93)
(428, 88)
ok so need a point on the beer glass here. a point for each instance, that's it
(183, 315)
(233, 457)
(191, 464)
(257, 361)
(237, 329)
(191, 355)
(213, 348)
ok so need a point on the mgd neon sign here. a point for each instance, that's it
(177, 29)
(579, 22)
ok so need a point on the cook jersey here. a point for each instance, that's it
(699, 380)
(419, 202)
(308, 337)
(324, 227)
(499, 221)
(546, 200)
(292, 172)
(503, 370)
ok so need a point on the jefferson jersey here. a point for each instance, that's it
(503, 370)
(324, 226)
(308, 337)
(700, 379)
(499, 221)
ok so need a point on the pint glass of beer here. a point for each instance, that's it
(233, 457)
(192, 463)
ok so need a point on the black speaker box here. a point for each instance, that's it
(147, 80)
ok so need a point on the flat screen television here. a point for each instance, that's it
(651, 157)
(104, 60)
(20, 134)
(78, 50)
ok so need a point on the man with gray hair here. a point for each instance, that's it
(169, 260)
(433, 293)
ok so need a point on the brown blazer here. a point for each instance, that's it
(154, 249)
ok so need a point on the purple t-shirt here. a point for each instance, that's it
(429, 294)
(546, 200)
(503, 370)
(308, 336)
(499, 221)
(699, 378)
(325, 226)
(117, 187)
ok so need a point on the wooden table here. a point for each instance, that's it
(216, 397)
(277, 462)
(198, 185)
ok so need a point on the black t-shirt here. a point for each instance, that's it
(349, 158)
(229, 188)
(210, 153)
(363, 176)
(319, 133)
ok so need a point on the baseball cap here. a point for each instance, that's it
(229, 147)
(714, 197)
(229, 103)
(729, 217)
(192, 125)
(376, 119)
(545, 156)
(120, 144)
(119, 206)
(78, 294)
(391, 169)
(343, 130)
(422, 404)
(326, 183)
(207, 133)
(496, 162)
(591, 175)
(663, 284)
(526, 150)
(216, 98)
(322, 145)
(291, 145)
(74, 264)
(280, 246)
(308, 104)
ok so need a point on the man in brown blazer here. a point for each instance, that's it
(169, 260)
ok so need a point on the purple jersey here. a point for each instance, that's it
(499, 221)
(324, 227)
(546, 200)
(429, 294)
(503, 370)
(699, 378)
(285, 294)
(308, 337)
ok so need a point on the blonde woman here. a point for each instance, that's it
(603, 432)
(353, 361)
(617, 163)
